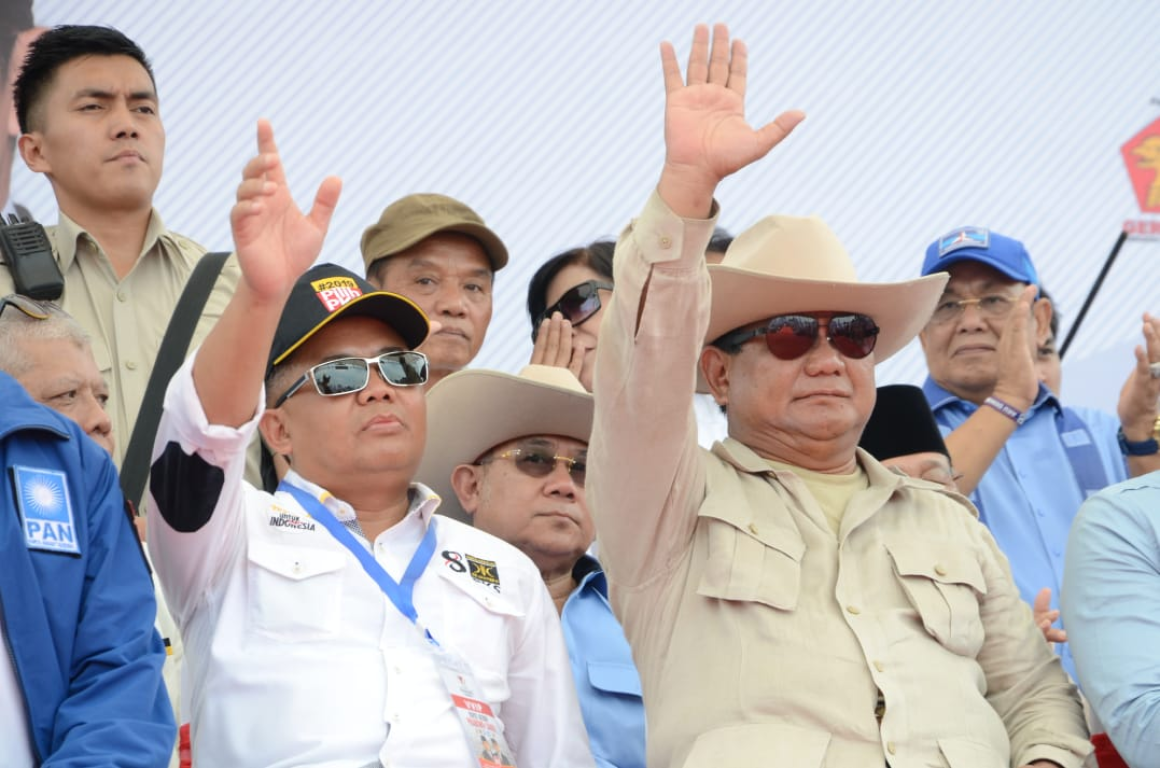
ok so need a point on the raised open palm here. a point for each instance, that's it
(706, 135)
(275, 241)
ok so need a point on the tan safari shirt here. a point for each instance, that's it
(760, 635)
(127, 318)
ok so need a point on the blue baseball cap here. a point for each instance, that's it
(984, 246)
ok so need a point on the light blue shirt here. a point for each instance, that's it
(1111, 601)
(606, 678)
(1029, 495)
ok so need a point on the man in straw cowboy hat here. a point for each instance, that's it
(515, 468)
(786, 596)
(325, 624)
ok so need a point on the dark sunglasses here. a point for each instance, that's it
(791, 336)
(540, 462)
(35, 309)
(352, 374)
(578, 303)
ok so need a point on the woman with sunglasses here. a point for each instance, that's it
(565, 303)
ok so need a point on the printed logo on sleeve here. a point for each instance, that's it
(46, 511)
(336, 292)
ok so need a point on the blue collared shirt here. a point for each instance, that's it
(1112, 605)
(606, 678)
(1029, 495)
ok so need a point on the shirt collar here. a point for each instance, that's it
(68, 233)
(587, 571)
(423, 500)
(940, 398)
(741, 456)
(746, 459)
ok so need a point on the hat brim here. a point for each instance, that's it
(393, 310)
(900, 310)
(496, 251)
(971, 254)
(472, 411)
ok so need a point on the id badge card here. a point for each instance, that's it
(481, 725)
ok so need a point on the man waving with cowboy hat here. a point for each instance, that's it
(786, 596)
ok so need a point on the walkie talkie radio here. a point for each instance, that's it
(28, 255)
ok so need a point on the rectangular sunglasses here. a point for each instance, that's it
(352, 374)
(540, 462)
(578, 303)
(788, 337)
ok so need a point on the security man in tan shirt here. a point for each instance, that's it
(90, 121)
(789, 600)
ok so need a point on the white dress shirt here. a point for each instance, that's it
(295, 657)
(15, 734)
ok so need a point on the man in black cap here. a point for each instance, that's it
(337, 621)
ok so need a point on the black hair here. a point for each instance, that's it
(596, 256)
(57, 47)
(720, 241)
(1054, 315)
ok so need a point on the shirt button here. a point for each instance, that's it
(121, 297)
(131, 365)
(297, 567)
(890, 747)
(878, 665)
(666, 241)
(940, 570)
(853, 609)
(753, 529)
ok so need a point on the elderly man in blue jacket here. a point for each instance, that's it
(80, 683)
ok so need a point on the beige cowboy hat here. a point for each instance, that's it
(787, 264)
(472, 411)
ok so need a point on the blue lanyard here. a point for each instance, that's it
(399, 593)
(1081, 452)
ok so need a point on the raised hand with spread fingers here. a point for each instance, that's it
(706, 134)
(275, 243)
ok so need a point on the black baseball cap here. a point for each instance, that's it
(327, 292)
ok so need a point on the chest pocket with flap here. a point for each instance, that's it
(610, 677)
(751, 564)
(943, 582)
(295, 592)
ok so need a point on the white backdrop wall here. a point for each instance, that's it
(923, 115)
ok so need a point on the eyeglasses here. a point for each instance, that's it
(352, 374)
(791, 336)
(994, 306)
(578, 303)
(541, 462)
(35, 309)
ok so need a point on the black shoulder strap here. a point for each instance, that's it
(174, 347)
